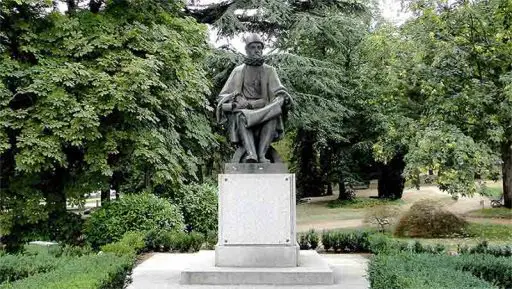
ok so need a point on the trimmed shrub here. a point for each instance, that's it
(141, 212)
(420, 271)
(198, 202)
(303, 241)
(484, 248)
(197, 240)
(308, 240)
(327, 241)
(118, 248)
(211, 239)
(427, 219)
(355, 241)
(496, 270)
(86, 272)
(162, 240)
(313, 239)
(14, 267)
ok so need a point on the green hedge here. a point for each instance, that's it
(14, 267)
(421, 271)
(162, 240)
(496, 270)
(141, 212)
(102, 271)
(484, 248)
(198, 202)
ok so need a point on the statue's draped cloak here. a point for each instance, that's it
(270, 87)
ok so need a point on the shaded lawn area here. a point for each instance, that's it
(318, 211)
(502, 213)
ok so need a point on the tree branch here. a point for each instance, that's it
(95, 5)
(210, 14)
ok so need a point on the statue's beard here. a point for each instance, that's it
(254, 60)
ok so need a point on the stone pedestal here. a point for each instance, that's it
(256, 217)
(257, 239)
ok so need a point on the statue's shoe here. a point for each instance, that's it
(264, 160)
(251, 159)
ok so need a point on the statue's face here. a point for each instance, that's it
(254, 49)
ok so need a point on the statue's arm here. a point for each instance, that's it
(258, 103)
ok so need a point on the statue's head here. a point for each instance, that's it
(254, 46)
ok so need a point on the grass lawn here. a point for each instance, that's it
(320, 212)
(494, 191)
(503, 213)
(360, 203)
(493, 232)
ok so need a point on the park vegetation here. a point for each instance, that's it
(103, 95)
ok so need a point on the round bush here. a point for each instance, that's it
(428, 219)
(140, 212)
(198, 202)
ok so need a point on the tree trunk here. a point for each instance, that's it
(329, 189)
(343, 190)
(391, 182)
(105, 196)
(309, 181)
(506, 155)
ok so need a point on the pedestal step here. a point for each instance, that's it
(312, 270)
(257, 256)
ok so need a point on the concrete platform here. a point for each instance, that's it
(312, 270)
(163, 271)
(257, 256)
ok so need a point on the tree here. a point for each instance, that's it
(315, 51)
(106, 96)
(446, 75)
(467, 112)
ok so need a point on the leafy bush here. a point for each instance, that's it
(211, 239)
(420, 271)
(327, 240)
(118, 248)
(351, 241)
(131, 213)
(198, 202)
(484, 248)
(427, 219)
(308, 240)
(303, 241)
(496, 270)
(163, 240)
(135, 240)
(64, 228)
(14, 267)
(197, 240)
(90, 271)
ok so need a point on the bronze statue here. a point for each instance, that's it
(251, 106)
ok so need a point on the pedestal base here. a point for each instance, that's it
(312, 270)
(257, 256)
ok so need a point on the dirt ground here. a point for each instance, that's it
(315, 214)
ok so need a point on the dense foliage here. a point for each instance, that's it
(198, 203)
(61, 267)
(142, 212)
(94, 99)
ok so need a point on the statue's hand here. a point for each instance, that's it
(241, 103)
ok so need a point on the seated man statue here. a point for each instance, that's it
(251, 106)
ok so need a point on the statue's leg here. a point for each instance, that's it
(265, 139)
(248, 142)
